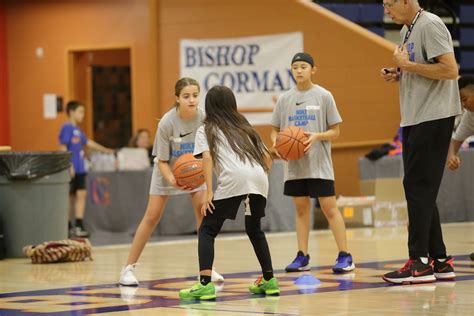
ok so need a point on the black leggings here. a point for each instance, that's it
(210, 228)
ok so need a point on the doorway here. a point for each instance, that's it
(101, 79)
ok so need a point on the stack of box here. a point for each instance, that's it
(357, 210)
(383, 204)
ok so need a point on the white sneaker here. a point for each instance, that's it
(127, 276)
(216, 277)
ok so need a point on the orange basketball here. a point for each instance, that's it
(290, 143)
(188, 171)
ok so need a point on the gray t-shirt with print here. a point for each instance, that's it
(466, 127)
(313, 110)
(174, 137)
(423, 99)
(234, 176)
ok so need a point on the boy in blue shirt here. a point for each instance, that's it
(73, 139)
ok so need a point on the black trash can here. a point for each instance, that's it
(34, 198)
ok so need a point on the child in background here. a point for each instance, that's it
(142, 140)
(73, 139)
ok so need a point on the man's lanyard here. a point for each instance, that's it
(410, 29)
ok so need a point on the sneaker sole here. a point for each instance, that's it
(272, 292)
(203, 298)
(128, 284)
(206, 297)
(411, 280)
(133, 283)
(346, 269)
(305, 268)
(445, 276)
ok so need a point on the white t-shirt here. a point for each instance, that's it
(234, 176)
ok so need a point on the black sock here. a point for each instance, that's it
(344, 254)
(205, 279)
(268, 275)
(79, 222)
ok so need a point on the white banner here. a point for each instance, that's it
(256, 68)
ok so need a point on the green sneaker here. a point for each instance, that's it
(260, 286)
(199, 292)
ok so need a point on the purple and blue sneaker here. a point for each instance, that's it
(344, 263)
(301, 263)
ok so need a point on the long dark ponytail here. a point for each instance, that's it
(222, 114)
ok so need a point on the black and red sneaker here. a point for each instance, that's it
(414, 271)
(444, 270)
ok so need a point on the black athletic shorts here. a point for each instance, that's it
(77, 183)
(254, 205)
(309, 187)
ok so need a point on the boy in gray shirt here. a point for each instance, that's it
(429, 101)
(312, 108)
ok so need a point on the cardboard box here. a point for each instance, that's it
(357, 211)
(390, 214)
(390, 207)
(384, 189)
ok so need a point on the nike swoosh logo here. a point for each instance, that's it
(444, 268)
(182, 135)
(299, 103)
(418, 273)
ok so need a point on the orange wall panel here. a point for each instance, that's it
(58, 27)
(4, 105)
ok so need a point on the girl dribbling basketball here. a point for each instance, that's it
(234, 151)
(174, 137)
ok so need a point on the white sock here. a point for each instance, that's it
(424, 260)
(441, 259)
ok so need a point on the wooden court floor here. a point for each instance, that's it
(89, 288)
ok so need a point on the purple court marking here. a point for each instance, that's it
(304, 283)
(77, 303)
(27, 301)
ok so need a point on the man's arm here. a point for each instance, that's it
(445, 67)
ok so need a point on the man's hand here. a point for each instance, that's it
(401, 57)
(389, 75)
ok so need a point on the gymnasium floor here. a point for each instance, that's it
(89, 288)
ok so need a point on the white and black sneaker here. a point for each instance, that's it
(127, 276)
